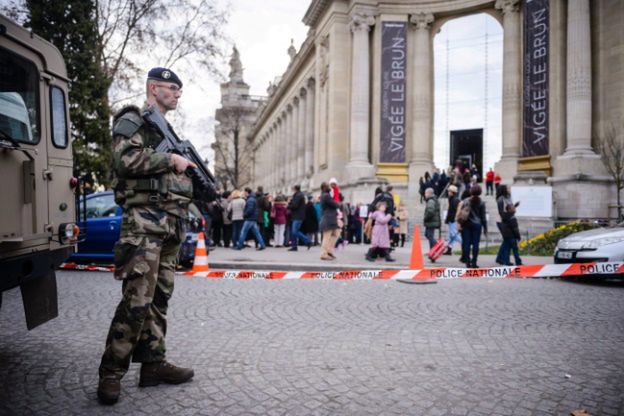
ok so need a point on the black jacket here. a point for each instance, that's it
(452, 209)
(310, 224)
(297, 206)
(263, 205)
(329, 215)
(385, 197)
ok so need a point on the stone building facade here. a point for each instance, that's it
(234, 154)
(324, 119)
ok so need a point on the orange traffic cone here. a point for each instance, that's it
(416, 260)
(200, 264)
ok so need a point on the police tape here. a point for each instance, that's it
(437, 273)
(440, 273)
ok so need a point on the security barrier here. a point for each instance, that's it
(440, 273)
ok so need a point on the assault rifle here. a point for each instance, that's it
(203, 180)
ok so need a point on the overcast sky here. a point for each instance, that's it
(262, 32)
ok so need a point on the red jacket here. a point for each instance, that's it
(281, 213)
(489, 176)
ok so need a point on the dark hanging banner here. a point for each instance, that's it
(535, 97)
(393, 60)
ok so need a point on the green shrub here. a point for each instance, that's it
(544, 244)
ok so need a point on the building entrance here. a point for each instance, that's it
(467, 145)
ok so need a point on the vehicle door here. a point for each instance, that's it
(23, 161)
(60, 164)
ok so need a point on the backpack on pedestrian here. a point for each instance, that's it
(464, 213)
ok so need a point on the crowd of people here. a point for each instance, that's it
(466, 217)
(300, 220)
(326, 219)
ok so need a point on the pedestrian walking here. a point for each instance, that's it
(402, 216)
(497, 182)
(235, 213)
(227, 222)
(508, 227)
(280, 213)
(380, 239)
(431, 219)
(354, 230)
(250, 217)
(297, 209)
(151, 234)
(215, 210)
(489, 182)
(472, 220)
(453, 233)
(329, 223)
(310, 225)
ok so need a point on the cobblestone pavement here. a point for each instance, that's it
(478, 347)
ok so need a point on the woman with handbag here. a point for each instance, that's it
(508, 227)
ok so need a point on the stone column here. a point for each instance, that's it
(507, 167)
(272, 158)
(421, 158)
(263, 160)
(281, 166)
(359, 164)
(579, 79)
(292, 142)
(309, 130)
(301, 122)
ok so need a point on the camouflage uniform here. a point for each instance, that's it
(155, 199)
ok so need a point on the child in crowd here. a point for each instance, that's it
(380, 241)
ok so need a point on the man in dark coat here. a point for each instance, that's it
(297, 210)
(310, 224)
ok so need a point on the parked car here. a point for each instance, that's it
(103, 223)
(598, 245)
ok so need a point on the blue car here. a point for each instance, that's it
(101, 231)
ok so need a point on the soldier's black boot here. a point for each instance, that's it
(152, 374)
(108, 389)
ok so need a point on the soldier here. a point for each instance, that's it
(154, 193)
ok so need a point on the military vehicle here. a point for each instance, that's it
(37, 214)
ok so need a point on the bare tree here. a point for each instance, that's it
(184, 33)
(234, 158)
(611, 148)
(181, 33)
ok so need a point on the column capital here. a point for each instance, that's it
(303, 92)
(508, 6)
(422, 20)
(361, 22)
(296, 101)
